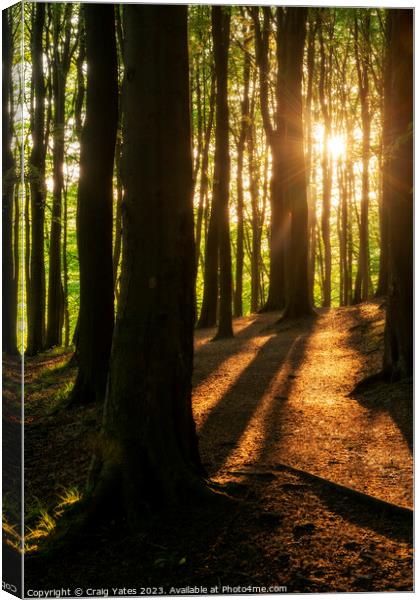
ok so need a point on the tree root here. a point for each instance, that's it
(372, 501)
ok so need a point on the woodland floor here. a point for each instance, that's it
(274, 395)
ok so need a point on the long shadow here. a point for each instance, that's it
(396, 527)
(255, 381)
(273, 426)
(239, 404)
(206, 360)
(376, 395)
(394, 398)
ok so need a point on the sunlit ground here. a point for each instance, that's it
(283, 398)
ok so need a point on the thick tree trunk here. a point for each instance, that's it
(9, 279)
(150, 451)
(220, 34)
(298, 301)
(398, 354)
(36, 289)
(94, 237)
(384, 201)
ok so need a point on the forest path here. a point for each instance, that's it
(280, 395)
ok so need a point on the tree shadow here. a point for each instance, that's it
(207, 361)
(382, 521)
(271, 372)
(396, 399)
(374, 393)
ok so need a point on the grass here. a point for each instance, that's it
(50, 374)
(45, 522)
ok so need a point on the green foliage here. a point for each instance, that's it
(337, 26)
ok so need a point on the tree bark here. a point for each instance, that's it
(61, 65)
(298, 301)
(150, 451)
(275, 139)
(36, 289)
(362, 48)
(398, 353)
(9, 270)
(324, 92)
(382, 287)
(220, 34)
(238, 309)
(94, 236)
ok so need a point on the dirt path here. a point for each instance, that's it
(273, 394)
(281, 395)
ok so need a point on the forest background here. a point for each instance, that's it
(343, 102)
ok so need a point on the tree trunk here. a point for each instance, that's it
(275, 139)
(362, 48)
(298, 302)
(208, 313)
(220, 34)
(9, 279)
(60, 70)
(94, 206)
(256, 230)
(36, 289)
(238, 309)
(324, 92)
(384, 201)
(204, 176)
(311, 200)
(150, 451)
(398, 353)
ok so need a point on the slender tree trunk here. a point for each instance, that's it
(94, 238)
(398, 353)
(311, 199)
(324, 91)
(151, 451)
(118, 216)
(220, 34)
(256, 235)
(238, 309)
(208, 313)
(275, 139)
(60, 69)
(362, 48)
(204, 176)
(9, 280)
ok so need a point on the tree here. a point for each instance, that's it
(221, 33)
(382, 287)
(325, 102)
(298, 301)
(149, 449)
(61, 63)
(398, 353)
(36, 287)
(94, 233)
(9, 266)
(362, 49)
(243, 135)
(275, 139)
